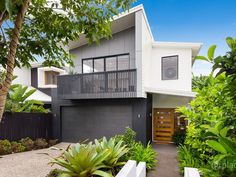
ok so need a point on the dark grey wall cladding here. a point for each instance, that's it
(34, 82)
(99, 117)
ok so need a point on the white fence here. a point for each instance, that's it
(191, 172)
(132, 170)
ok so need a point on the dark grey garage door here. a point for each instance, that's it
(90, 122)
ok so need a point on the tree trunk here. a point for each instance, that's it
(11, 56)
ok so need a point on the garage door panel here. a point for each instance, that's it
(90, 122)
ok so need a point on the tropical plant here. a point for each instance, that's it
(144, 154)
(211, 133)
(137, 151)
(17, 100)
(83, 160)
(117, 150)
(224, 64)
(41, 27)
(186, 158)
(179, 137)
(198, 82)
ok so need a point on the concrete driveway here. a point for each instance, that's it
(29, 164)
(167, 165)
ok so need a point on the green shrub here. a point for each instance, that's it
(5, 147)
(144, 154)
(210, 136)
(179, 137)
(40, 143)
(17, 147)
(128, 137)
(27, 143)
(186, 158)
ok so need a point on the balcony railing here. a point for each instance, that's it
(112, 84)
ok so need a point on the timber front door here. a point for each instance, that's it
(163, 125)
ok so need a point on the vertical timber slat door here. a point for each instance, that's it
(163, 125)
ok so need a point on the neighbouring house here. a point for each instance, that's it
(129, 80)
(41, 78)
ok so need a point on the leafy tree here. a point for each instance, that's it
(198, 82)
(38, 28)
(224, 64)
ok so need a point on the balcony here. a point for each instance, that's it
(112, 84)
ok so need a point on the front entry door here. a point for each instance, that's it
(163, 125)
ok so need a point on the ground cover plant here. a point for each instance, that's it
(25, 144)
(210, 143)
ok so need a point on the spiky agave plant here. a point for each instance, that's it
(83, 160)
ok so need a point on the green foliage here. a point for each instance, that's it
(83, 160)
(17, 147)
(179, 137)
(17, 101)
(186, 158)
(49, 23)
(128, 137)
(140, 153)
(198, 82)
(40, 143)
(117, 150)
(5, 147)
(211, 132)
(137, 151)
(27, 143)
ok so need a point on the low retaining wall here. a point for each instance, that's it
(132, 170)
(191, 172)
(15, 126)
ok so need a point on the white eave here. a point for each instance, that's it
(171, 92)
(120, 22)
(195, 47)
(40, 96)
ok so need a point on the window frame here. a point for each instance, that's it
(162, 69)
(105, 58)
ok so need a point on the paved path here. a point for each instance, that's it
(29, 164)
(167, 162)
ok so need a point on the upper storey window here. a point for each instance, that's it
(108, 63)
(51, 77)
(170, 67)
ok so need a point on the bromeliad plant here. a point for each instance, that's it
(116, 149)
(92, 159)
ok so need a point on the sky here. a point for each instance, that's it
(205, 21)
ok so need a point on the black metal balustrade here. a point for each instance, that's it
(112, 84)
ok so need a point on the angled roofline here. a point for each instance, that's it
(137, 8)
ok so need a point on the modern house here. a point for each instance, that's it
(39, 77)
(129, 80)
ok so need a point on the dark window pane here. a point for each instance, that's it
(99, 65)
(123, 62)
(111, 64)
(87, 66)
(170, 68)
